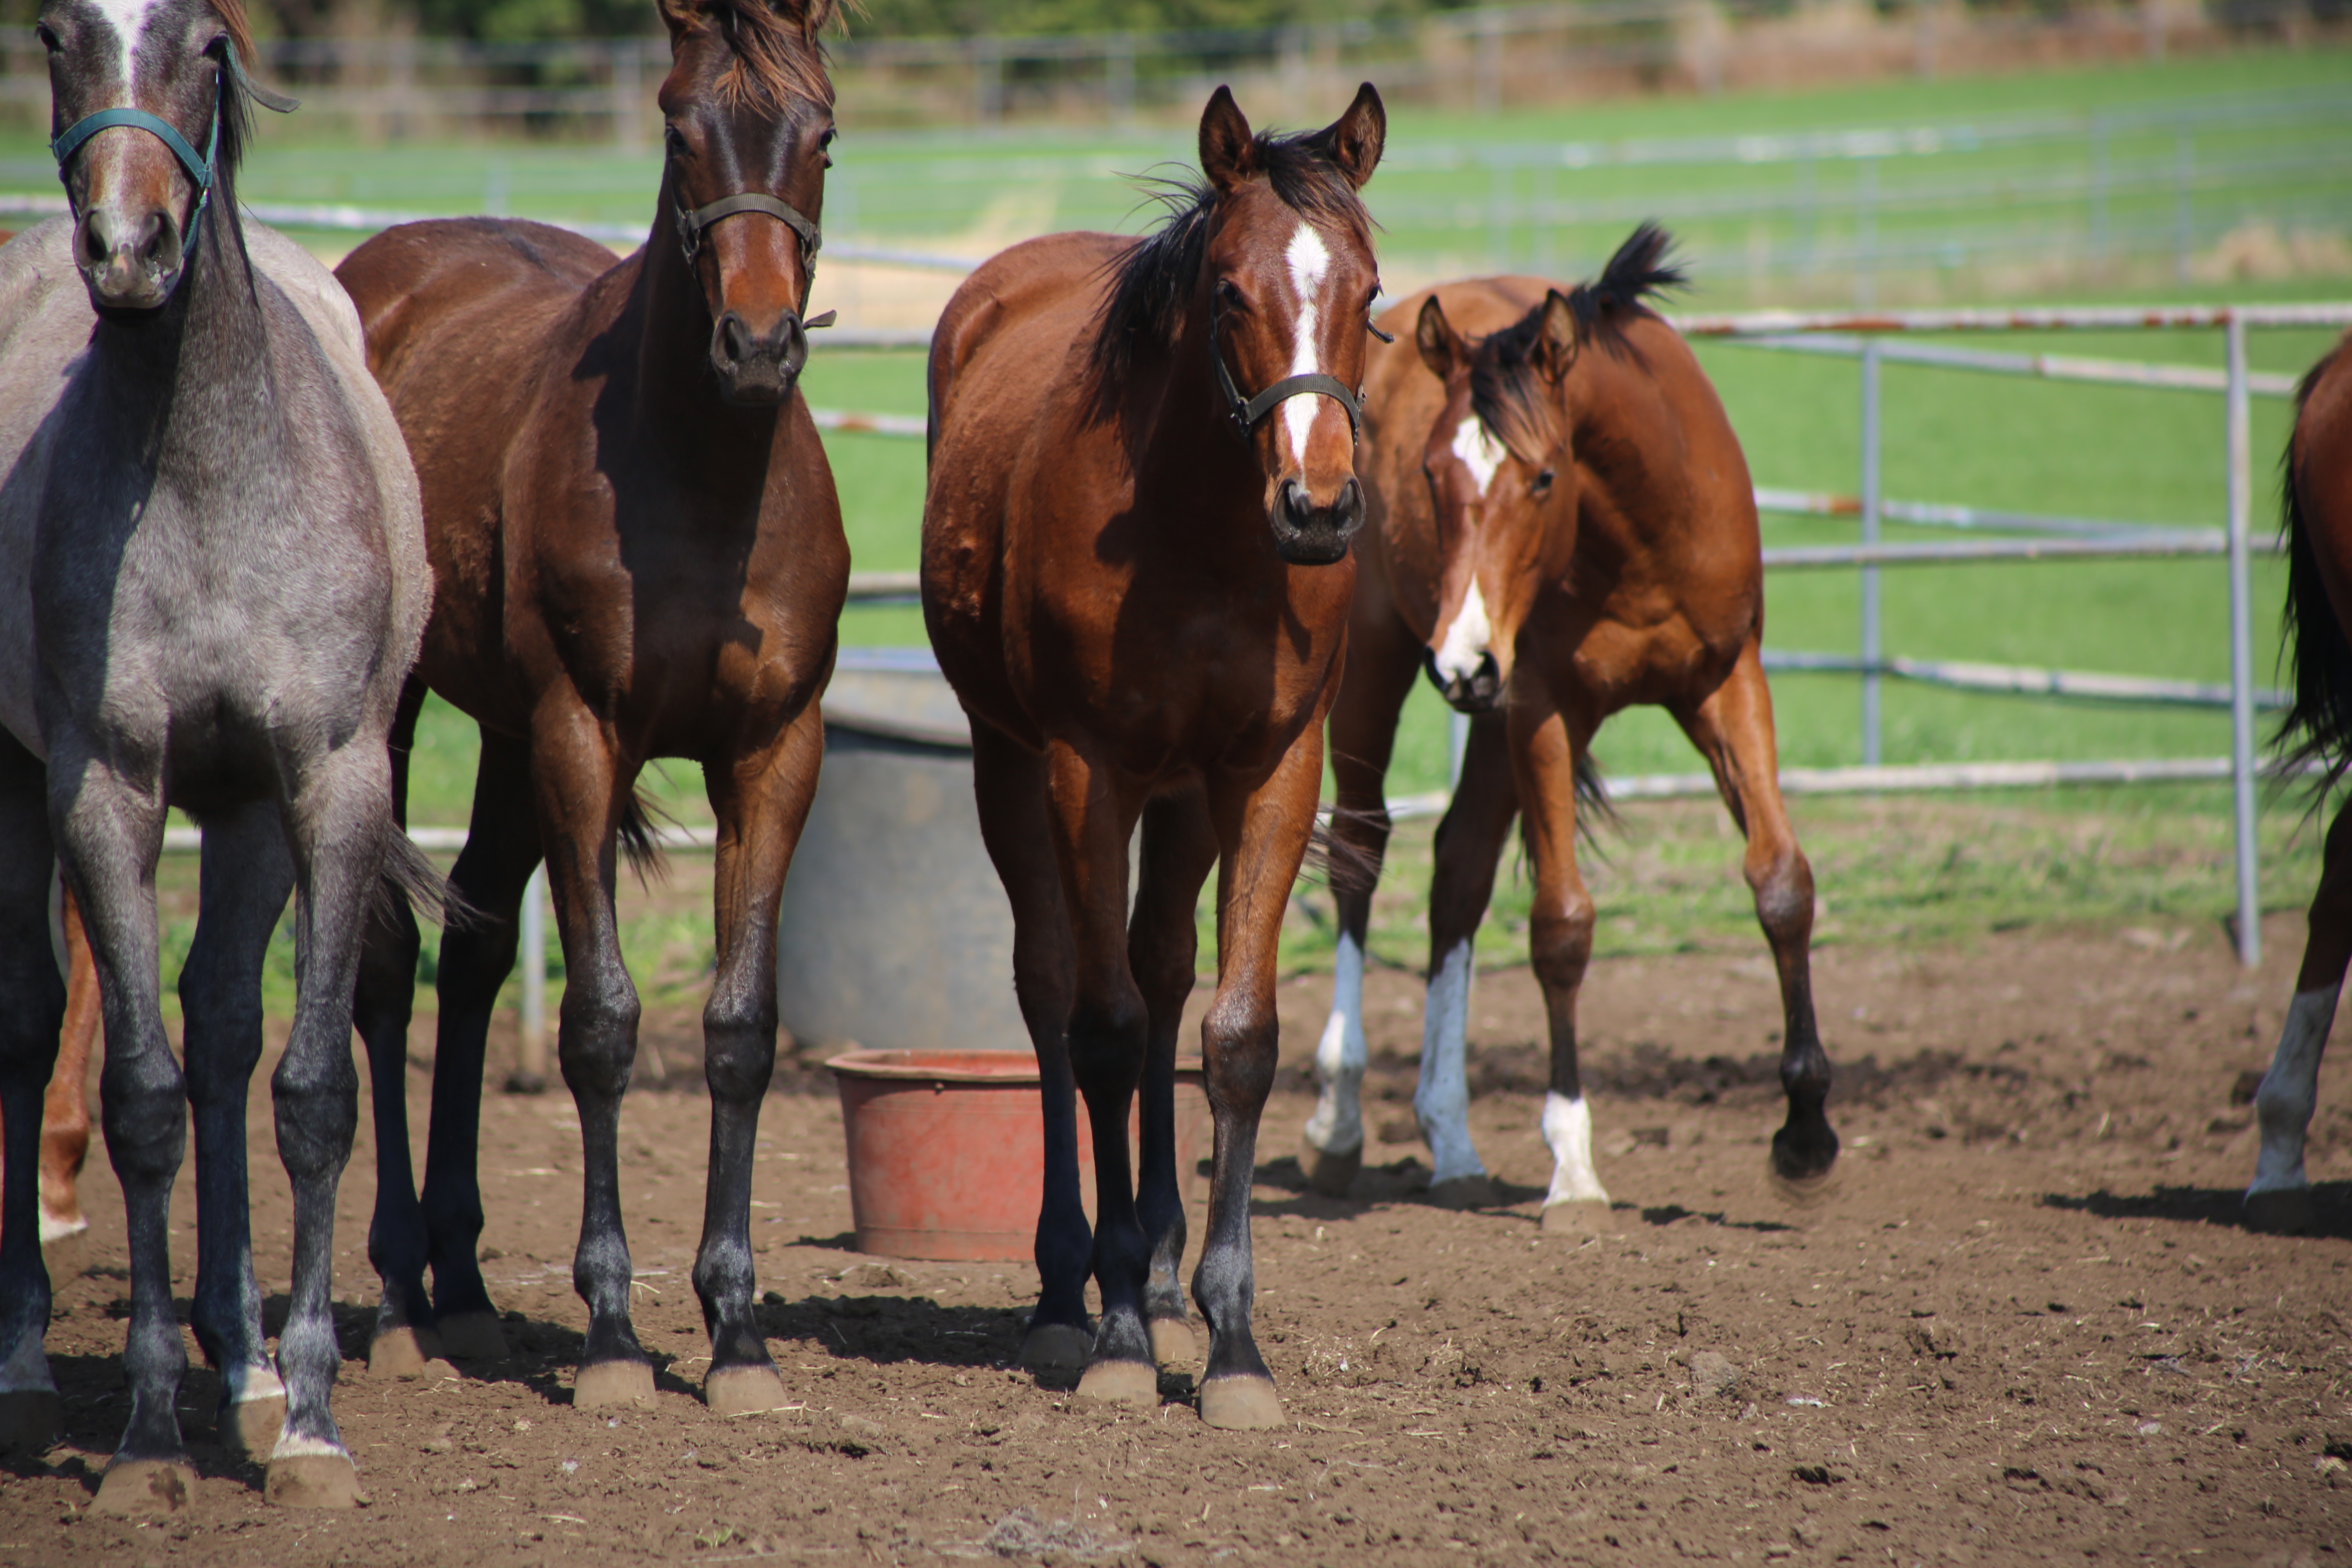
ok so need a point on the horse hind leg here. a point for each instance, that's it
(1180, 847)
(1009, 788)
(2279, 1197)
(32, 1002)
(245, 879)
(1733, 730)
(65, 1109)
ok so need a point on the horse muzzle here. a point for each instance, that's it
(1309, 534)
(758, 369)
(1479, 690)
(129, 261)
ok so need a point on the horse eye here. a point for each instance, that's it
(1542, 484)
(48, 39)
(1228, 296)
(826, 141)
(674, 140)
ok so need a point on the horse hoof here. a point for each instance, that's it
(402, 1351)
(30, 1419)
(1055, 1347)
(1803, 1192)
(614, 1383)
(1464, 1192)
(314, 1480)
(743, 1390)
(1241, 1404)
(146, 1486)
(249, 1428)
(2283, 1211)
(1328, 1173)
(1172, 1343)
(1582, 1217)
(1120, 1383)
(1804, 1161)
(473, 1336)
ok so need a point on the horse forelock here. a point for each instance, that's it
(1513, 401)
(1154, 279)
(773, 57)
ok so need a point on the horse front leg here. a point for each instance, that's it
(1008, 789)
(582, 793)
(2279, 1197)
(341, 826)
(1733, 730)
(761, 804)
(1179, 846)
(1263, 829)
(1559, 945)
(108, 828)
(1469, 846)
(245, 877)
(1089, 823)
(32, 1002)
(1383, 661)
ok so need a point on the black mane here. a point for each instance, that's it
(1504, 392)
(1154, 278)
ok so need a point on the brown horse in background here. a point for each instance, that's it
(1562, 525)
(65, 1108)
(2317, 727)
(1135, 572)
(637, 553)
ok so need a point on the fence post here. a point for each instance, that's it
(1871, 648)
(1866, 234)
(987, 79)
(2100, 180)
(628, 132)
(2184, 234)
(531, 1061)
(2242, 649)
(1119, 68)
(1488, 82)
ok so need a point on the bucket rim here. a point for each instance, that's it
(1020, 1068)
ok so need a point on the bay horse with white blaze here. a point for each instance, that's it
(2316, 518)
(1561, 525)
(637, 553)
(212, 585)
(1136, 576)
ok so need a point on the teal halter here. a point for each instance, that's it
(200, 169)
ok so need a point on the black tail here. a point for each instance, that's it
(2317, 725)
(409, 877)
(1644, 266)
(640, 841)
(1594, 809)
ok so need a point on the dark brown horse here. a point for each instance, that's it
(1135, 571)
(637, 553)
(2316, 728)
(1561, 525)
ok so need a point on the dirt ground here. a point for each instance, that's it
(2023, 1327)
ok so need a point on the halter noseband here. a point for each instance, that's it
(690, 224)
(1248, 411)
(200, 169)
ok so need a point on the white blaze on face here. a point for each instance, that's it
(2283, 1106)
(126, 17)
(1480, 452)
(1464, 644)
(1310, 260)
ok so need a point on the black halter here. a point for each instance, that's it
(691, 226)
(1248, 411)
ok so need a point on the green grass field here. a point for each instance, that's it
(1954, 437)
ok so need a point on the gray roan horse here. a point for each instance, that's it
(212, 584)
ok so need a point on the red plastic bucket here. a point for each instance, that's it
(947, 1150)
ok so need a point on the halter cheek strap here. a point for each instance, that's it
(1248, 411)
(691, 226)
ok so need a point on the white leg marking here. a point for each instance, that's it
(1338, 1125)
(1466, 638)
(251, 1383)
(55, 1229)
(1310, 260)
(1441, 1102)
(27, 1369)
(292, 1445)
(1568, 1134)
(2290, 1090)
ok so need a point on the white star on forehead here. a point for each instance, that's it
(127, 18)
(1310, 260)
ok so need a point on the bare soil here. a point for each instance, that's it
(2024, 1327)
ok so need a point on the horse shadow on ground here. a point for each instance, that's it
(1404, 1180)
(2331, 1206)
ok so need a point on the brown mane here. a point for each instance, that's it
(240, 30)
(777, 54)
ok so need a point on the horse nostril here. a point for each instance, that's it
(734, 338)
(1296, 505)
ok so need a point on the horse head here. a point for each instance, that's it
(747, 116)
(1502, 481)
(1291, 277)
(147, 106)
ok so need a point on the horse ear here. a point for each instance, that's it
(1555, 346)
(809, 15)
(1441, 350)
(1228, 155)
(1354, 141)
(677, 15)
